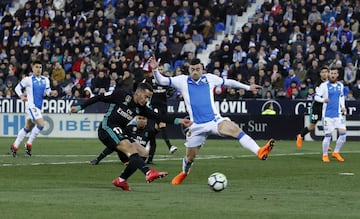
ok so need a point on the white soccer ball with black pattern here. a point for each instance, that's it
(217, 182)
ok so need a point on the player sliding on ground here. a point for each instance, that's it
(197, 90)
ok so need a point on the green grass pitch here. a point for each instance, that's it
(57, 182)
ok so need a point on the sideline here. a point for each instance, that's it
(159, 158)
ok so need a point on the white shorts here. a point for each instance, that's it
(33, 113)
(197, 133)
(330, 124)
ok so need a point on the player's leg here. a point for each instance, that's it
(195, 137)
(304, 131)
(130, 167)
(20, 137)
(39, 125)
(227, 127)
(187, 163)
(135, 160)
(315, 115)
(328, 126)
(165, 136)
(340, 125)
(163, 131)
(119, 142)
(152, 150)
(101, 156)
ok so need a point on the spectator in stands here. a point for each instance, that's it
(2, 86)
(252, 94)
(239, 55)
(300, 71)
(347, 33)
(207, 26)
(226, 55)
(11, 78)
(68, 94)
(356, 89)
(165, 55)
(36, 38)
(127, 81)
(175, 48)
(189, 46)
(350, 72)
(260, 77)
(232, 10)
(78, 79)
(267, 87)
(58, 73)
(100, 83)
(25, 39)
(292, 77)
(198, 40)
(46, 21)
(89, 78)
(303, 90)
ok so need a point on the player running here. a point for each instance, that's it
(31, 90)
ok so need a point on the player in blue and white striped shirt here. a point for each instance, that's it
(197, 91)
(31, 90)
(331, 93)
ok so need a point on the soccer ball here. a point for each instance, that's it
(217, 182)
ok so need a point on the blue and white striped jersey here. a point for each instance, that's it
(335, 93)
(36, 88)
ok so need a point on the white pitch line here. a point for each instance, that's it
(159, 158)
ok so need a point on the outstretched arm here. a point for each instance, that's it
(160, 79)
(235, 84)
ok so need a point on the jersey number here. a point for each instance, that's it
(117, 130)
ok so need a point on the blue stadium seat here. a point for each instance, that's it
(219, 27)
(178, 63)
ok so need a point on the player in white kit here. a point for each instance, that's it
(331, 93)
(197, 90)
(31, 90)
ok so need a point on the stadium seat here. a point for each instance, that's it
(178, 63)
(219, 27)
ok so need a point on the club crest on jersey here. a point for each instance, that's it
(204, 80)
(188, 133)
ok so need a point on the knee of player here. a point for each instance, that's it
(229, 128)
(342, 133)
(144, 153)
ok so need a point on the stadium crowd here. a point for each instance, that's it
(91, 47)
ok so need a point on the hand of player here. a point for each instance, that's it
(185, 122)
(24, 98)
(74, 109)
(255, 87)
(162, 124)
(53, 93)
(153, 63)
(326, 100)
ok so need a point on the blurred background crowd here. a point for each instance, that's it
(91, 47)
